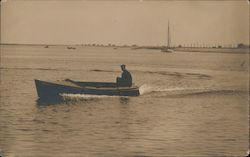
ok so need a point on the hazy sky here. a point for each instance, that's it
(124, 22)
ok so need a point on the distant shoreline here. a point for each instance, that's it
(36, 44)
(215, 50)
(199, 49)
(135, 47)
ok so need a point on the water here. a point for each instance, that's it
(192, 104)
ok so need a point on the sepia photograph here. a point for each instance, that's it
(124, 78)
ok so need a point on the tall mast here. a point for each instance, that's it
(169, 40)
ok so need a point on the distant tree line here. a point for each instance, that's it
(239, 45)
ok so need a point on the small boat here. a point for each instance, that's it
(69, 47)
(167, 50)
(49, 90)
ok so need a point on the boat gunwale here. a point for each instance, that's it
(63, 83)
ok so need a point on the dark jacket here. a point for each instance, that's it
(125, 80)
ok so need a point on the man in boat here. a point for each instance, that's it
(126, 79)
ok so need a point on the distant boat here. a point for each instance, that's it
(69, 47)
(47, 46)
(52, 90)
(168, 48)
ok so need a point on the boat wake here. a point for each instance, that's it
(179, 91)
(151, 90)
(147, 89)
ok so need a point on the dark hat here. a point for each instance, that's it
(123, 65)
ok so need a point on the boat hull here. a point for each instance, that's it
(167, 50)
(48, 90)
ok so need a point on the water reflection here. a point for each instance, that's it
(47, 102)
(61, 100)
(124, 100)
(87, 126)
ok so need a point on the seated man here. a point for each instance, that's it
(126, 79)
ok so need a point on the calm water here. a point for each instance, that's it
(192, 104)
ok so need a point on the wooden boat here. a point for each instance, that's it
(49, 90)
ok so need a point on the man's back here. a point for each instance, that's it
(127, 78)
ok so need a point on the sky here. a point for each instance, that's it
(124, 22)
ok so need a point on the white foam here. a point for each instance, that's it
(145, 88)
(66, 96)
